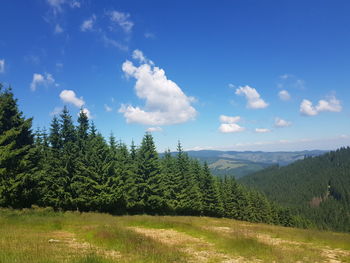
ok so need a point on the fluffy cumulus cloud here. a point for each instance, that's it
(306, 108)
(229, 119)
(284, 95)
(280, 123)
(122, 20)
(229, 124)
(165, 102)
(42, 80)
(254, 101)
(2, 65)
(88, 24)
(332, 104)
(262, 130)
(154, 129)
(69, 96)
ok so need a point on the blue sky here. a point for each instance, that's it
(230, 75)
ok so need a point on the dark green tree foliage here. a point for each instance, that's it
(74, 168)
(168, 183)
(210, 195)
(316, 188)
(148, 185)
(18, 158)
(188, 198)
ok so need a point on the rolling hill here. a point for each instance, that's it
(240, 164)
(317, 187)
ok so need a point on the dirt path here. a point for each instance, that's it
(198, 249)
(331, 255)
(69, 239)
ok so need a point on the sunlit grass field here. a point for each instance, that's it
(42, 235)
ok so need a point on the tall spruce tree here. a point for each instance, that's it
(211, 202)
(148, 187)
(187, 188)
(168, 167)
(83, 186)
(18, 159)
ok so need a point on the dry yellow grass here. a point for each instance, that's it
(42, 235)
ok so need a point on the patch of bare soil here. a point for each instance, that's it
(198, 249)
(331, 255)
(68, 239)
(335, 255)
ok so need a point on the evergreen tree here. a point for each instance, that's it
(210, 202)
(187, 191)
(168, 180)
(83, 185)
(150, 194)
(18, 159)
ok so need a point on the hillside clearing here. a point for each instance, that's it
(41, 235)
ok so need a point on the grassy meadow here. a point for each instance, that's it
(42, 235)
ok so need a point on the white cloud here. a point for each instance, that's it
(262, 130)
(229, 124)
(88, 24)
(69, 96)
(121, 19)
(166, 103)
(230, 128)
(114, 43)
(75, 4)
(280, 123)
(56, 5)
(229, 119)
(306, 108)
(154, 129)
(107, 108)
(2, 65)
(284, 95)
(44, 80)
(138, 55)
(58, 29)
(87, 112)
(332, 105)
(253, 97)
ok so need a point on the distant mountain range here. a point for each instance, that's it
(240, 164)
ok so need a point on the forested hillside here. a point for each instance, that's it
(72, 167)
(317, 187)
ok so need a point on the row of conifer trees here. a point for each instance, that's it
(72, 167)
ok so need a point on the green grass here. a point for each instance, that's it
(25, 235)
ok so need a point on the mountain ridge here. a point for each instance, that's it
(242, 163)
